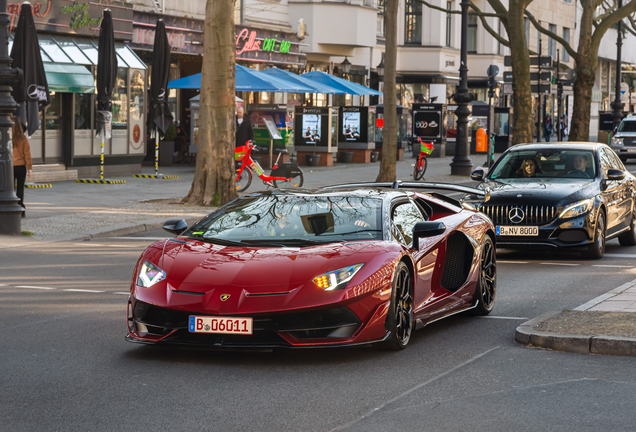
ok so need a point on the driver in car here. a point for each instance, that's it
(580, 164)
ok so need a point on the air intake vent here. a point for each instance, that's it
(459, 257)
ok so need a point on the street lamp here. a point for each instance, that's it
(617, 105)
(10, 211)
(346, 66)
(461, 164)
(380, 69)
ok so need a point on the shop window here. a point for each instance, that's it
(413, 22)
(83, 111)
(472, 34)
(120, 100)
(137, 96)
(566, 37)
(552, 42)
(172, 94)
(53, 113)
(449, 21)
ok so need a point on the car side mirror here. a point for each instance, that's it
(175, 226)
(615, 174)
(426, 229)
(477, 175)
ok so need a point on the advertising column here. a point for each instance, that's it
(312, 136)
(353, 134)
(428, 124)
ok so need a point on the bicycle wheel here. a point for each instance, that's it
(245, 180)
(419, 170)
(291, 183)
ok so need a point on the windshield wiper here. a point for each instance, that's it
(282, 242)
(218, 241)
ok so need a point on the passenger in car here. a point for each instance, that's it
(580, 164)
(529, 168)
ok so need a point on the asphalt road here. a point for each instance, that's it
(64, 364)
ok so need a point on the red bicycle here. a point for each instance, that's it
(287, 175)
(420, 166)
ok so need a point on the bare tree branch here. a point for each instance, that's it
(545, 31)
(482, 16)
(459, 12)
(609, 21)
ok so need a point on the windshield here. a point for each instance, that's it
(292, 220)
(546, 164)
(627, 126)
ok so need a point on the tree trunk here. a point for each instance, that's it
(389, 135)
(522, 109)
(213, 183)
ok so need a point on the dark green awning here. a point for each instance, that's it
(69, 78)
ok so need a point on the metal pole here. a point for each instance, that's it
(461, 164)
(559, 94)
(156, 150)
(488, 128)
(618, 105)
(540, 122)
(101, 159)
(10, 210)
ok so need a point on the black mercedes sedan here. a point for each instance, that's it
(574, 195)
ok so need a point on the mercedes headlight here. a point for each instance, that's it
(150, 274)
(577, 209)
(617, 141)
(336, 279)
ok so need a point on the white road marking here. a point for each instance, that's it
(560, 264)
(607, 265)
(502, 317)
(83, 290)
(110, 245)
(613, 255)
(512, 262)
(417, 387)
(34, 287)
(3, 285)
(121, 292)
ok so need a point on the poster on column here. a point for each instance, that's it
(136, 122)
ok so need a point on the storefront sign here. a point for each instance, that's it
(262, 45)
(246, 41)
(145, 36)
(61, 16)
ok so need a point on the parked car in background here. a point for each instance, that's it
(624, 140)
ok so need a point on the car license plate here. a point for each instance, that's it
(517, 230)
(222, 325)
(631, 150)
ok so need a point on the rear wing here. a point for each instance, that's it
(413, 185)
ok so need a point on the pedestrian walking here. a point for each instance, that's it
(547, 127)
(244, 131)
(22, 163)
(564, 126)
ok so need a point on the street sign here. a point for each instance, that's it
(545, 88)
(546, 76)
(546, 61)
(492, 70)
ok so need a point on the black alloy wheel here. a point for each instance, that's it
(597, 248)
(419, 170)
(399, 320)
(629, 238)
(486, 288)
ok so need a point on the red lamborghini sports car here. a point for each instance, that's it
(346, 265)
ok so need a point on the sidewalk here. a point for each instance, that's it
(605, 325)
(71, 210)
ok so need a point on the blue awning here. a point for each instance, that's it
(247, 79)
(292, 77)
(340, 84)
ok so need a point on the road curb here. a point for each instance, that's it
(580, 344)
(133, 228)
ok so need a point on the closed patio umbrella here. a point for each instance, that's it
(32, 92)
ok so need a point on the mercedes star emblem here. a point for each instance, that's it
(516, 215)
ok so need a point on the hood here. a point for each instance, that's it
(553, 192)
(199, 266)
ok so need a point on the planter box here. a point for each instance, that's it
(166, 153)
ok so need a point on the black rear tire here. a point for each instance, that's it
(486, 288)
(293, 183)
(629, 238)
(597, 248)
(399, 320)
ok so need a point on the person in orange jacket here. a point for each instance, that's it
(22, 163)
